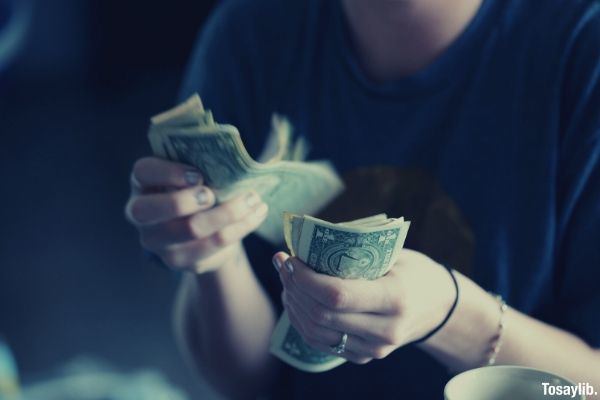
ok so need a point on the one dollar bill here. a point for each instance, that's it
(188, 134)
(361, 249)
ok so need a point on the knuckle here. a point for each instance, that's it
(392, 335)
(320, 315)
(237, 209)
(379, 352)
(220, 238)
(191, 228)
(140, 165)
(218, 217)
(229, 213)
(360, 360)
(175, 205)
(397, 305)
(336, 298)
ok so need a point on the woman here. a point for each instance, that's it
(495, 102)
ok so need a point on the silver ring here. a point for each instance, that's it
(340, 348)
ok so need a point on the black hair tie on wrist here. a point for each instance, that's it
(450, 312)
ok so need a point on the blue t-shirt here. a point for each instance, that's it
(498, 138)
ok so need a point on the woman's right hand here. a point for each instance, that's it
(177, 219)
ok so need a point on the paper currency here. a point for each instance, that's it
(188, 134)
(361, 249)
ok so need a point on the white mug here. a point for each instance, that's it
(511, 382)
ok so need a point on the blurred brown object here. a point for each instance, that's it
(438, 228)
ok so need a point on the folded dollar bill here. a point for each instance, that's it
(188, 134)
(365, 248)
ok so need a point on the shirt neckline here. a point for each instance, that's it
(446, 68)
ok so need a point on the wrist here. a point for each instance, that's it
(225, 268)
(446, 308)
(464, 341)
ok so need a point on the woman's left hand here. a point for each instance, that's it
(379, 316)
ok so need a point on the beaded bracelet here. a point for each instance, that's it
(498, 338)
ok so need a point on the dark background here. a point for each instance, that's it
(74, 109)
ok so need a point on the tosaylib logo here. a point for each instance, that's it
(581, 389)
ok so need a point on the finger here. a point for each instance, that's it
(279, 260)
(376, 328)
(343, 295)
(149, 172)
(234, 210)
(326, 335)
(189, 256)
(190, 253)
(370, 327)
(292, 311)
(204, 223)
(154, 208)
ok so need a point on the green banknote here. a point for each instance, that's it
(188, 134)
(359, 249)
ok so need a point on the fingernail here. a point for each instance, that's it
(202, 196)
(289, 266)
(276, 264)
(191, 177)
(252, 199)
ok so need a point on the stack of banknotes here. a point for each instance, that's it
(365, 248)
(188, 134)
(293, 188)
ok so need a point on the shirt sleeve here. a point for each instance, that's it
(578, 189)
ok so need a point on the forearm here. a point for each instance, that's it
(466, 339)
(533, 343)
(224, 321)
